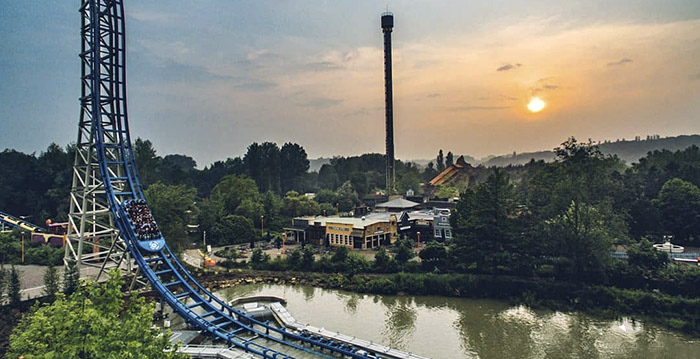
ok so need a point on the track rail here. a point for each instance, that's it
(104, 112)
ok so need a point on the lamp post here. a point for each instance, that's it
(418, 233)
(22, 247)
(284, 240)
(262, 227)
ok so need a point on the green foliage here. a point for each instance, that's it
(262, 163)
(259, 259)
(679, 205)
(486, 234)
(382, 261)
(85, 325)
(34, 253)
(293, 165)
(170, 206)
(232, 229)
(435, 257)
(644, 257)
(404, 252)
(13, 288)
(71, 281)
(446, 191)
(347, 197)
(4, 277)
(147, 162)
(326, 196)
(295, 205)
(440, 161)
(51, 282)
(307, 259)
(232, 190)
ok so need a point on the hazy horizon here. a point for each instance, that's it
(206, 79)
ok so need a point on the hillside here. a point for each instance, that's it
(628, 151)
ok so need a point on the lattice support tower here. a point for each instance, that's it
(93, 238)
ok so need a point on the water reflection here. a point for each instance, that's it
(400, 317)
(308, 292)
(439, 327)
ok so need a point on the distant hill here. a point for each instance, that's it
(316, 163)
(629, 151)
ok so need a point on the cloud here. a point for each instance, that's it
(255, 85)
(621, 62)
(335, 60)
(322, 66)
(172, 71)
(322, 102)
(542, 85)
(508, 67)
(150, 16)
(478, 108)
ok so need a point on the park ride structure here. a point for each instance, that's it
(102, 232)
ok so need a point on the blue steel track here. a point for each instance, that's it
(104, 110)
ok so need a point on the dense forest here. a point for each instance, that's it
(229, 199)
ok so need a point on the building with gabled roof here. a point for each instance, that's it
(460, 170)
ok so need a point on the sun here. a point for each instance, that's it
(536, 105)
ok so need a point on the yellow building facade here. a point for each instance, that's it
(361, 233)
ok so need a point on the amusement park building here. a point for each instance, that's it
(372, 231)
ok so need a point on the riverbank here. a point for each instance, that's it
(671, 311)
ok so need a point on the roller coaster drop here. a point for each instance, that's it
(105, 182)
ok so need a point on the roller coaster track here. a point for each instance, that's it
(14, 222)
(105, 181)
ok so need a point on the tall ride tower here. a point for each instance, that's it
(387, 27)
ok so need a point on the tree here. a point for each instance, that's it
(449, 160)
(643, 256)
(3, 279)
(382, 261)
(232, 229)
(251, 209)
(96, 322)
(233, 189)
(262, 162)
(293, 165)
(328, 177)
(258, 259)
(295, 205)
(434, 257)
(294, 259)
(347, 197)
(679, 205)
(326, 196)
(51, 282)
(13, 288)
(272, 205)
(307, 260)
(170, 206)
(483, 226)
(183, 162)
(147, 162)
(583, 236)
(440, 161)
(70, 278)
(404, 252)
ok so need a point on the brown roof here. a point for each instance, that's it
(461, 166)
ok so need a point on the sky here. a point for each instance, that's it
(207, 78)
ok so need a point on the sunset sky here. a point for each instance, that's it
(207, 78)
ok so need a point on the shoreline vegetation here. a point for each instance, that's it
(676, 312)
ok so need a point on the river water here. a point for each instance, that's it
(446, 328)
